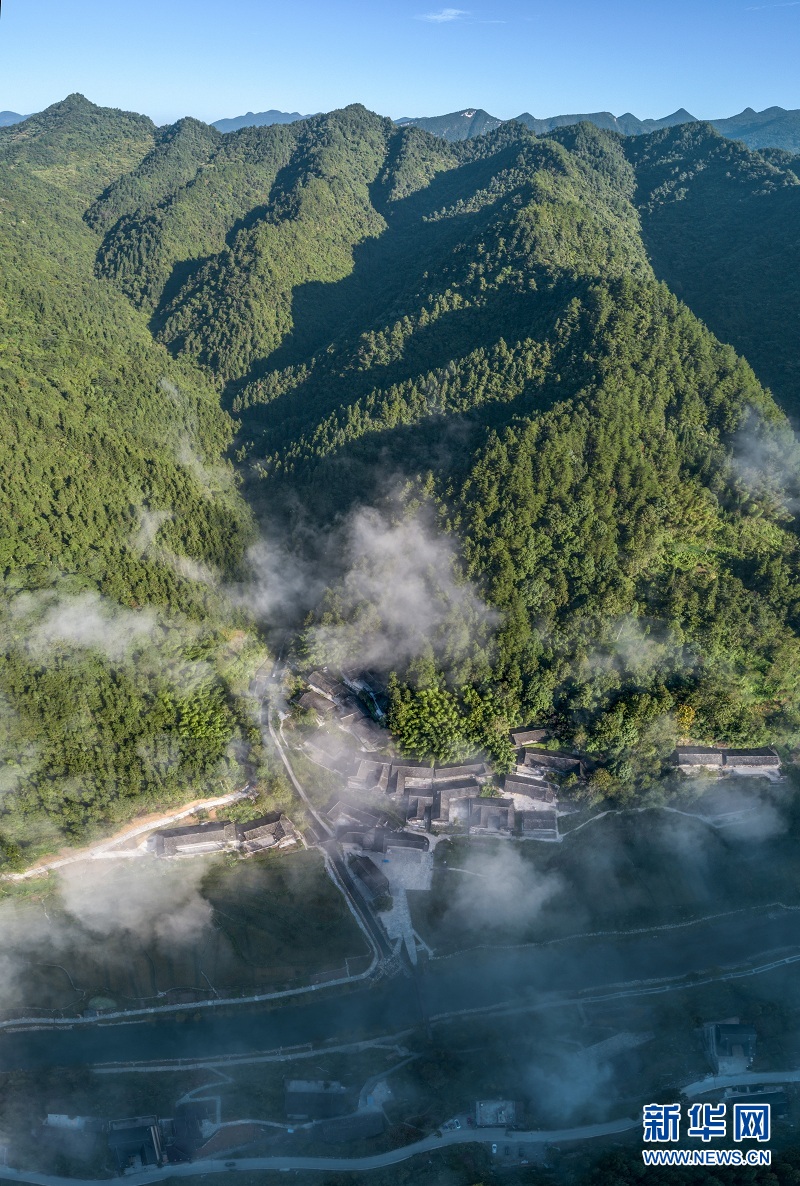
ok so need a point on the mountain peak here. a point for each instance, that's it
(258, 119)
(75, 102)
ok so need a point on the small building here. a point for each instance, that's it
(370, 875)
(495, 1113)
(183, 1135)
(341, 765)
(346, 719)
(322, 683)
(368, 734)
(522, 737)
(492, 815)
(470, 770)
(545, 761)
(330, 741)
(369, 776)
(330, 750)
(350, 709)
(407, 775)
(751, 760)
(448, 794)
(342, 811)
(418, 804)
(195, 839)
(266, 832)
(691, 758)
(383, 838)
(319, 705)
(316, 1099)
(697, 757)
(539, 792)
(539, 825)
(347, 833)
(371, 689)
(731, 1046)
(412, 769)
(135, 1143)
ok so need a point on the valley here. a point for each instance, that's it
(404, 526)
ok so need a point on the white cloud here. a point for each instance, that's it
(500, 884)
(150, 899)
(401, 597)
(766, 462)
(86, 620)
(444, 14)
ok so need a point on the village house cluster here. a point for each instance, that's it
(268, 831)
(427, 797)
(399, 802)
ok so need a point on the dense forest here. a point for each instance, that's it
(120, 668)
(212, 337)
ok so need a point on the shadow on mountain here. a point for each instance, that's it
(433, 348)
(738, 271)
(372, 467)
(181, 276)
(388, 272)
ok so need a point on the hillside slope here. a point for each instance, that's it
(458, 356)
(722, 225)
(114, 500)
(480, 323)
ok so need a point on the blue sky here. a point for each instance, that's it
(170, 58)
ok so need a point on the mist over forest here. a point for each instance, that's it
(484, 436)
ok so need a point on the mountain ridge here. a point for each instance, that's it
(431, 302)
(258, 119)
(476, 348)
(775, 127)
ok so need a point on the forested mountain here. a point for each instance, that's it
(113, 694)
(626, 125)
(257, 119)
(458, 125)
(775, 127)
(10, 117)
(482, 318)
(721, 225)
(484, 336)
(474, 121)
